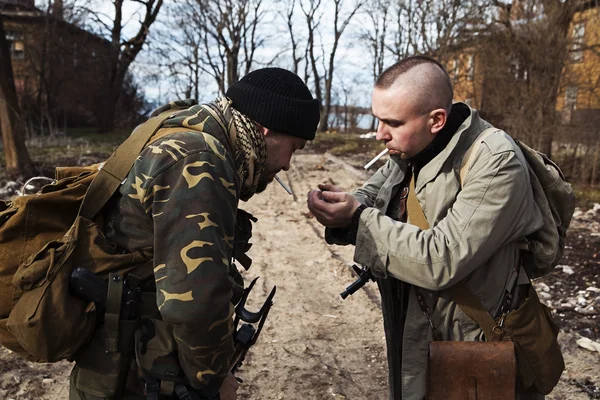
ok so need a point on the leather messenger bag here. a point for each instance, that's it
(471, 371)
(522, 341)
(466, 370)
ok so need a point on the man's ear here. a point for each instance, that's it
(261, 128)
(437, 120)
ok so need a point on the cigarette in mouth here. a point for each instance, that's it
(283, 185)
(377, 157)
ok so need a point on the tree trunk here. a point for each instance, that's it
(12, 127)
(123, 54)
(106, 119)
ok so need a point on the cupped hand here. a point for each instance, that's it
(332, 209)
(328, 187)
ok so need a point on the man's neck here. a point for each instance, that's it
(455, 119)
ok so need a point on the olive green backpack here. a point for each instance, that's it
(539, 358)
(44, 237)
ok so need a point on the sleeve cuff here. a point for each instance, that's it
(367, 251)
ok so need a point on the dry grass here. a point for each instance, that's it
(76, 147)
(48, 152)
(341, 144)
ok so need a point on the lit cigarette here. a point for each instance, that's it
(373, 161)
(283, 185)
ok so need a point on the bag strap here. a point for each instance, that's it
(116, 168)
(471, 306)
(468, 159)
(112, 316)
(416, 216)
(414, 211)
(460, 293)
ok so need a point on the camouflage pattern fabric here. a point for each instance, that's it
(180, 199)
(249, 147)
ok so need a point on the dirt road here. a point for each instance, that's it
(314, 346)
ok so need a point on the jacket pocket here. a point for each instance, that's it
(156, 350)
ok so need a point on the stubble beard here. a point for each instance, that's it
(262, 184)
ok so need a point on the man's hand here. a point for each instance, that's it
(229, 388)
(332, 207)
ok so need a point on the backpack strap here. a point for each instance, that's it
(114, 171)
(460, 294)
(414, 211)
(471, 306)
(468, 160)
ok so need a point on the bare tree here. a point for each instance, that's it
(289, 15)
(374, 37)
(220, 38)
(312, 23)
(13, 131)
(525, 56)
(123, 53)
(340, 23)
(348, 114)
(435, 27)
(181, 53)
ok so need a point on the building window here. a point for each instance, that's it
(578, 41)
(16, 44)
(571, 98)
(518, 69)
(470, 68)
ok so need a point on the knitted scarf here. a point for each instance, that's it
(247, 141)
(249, 147)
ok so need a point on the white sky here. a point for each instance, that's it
(352, 63)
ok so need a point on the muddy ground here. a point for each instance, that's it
(317, 346)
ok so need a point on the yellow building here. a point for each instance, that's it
(580, 84)
(578, 100)
(467, 78)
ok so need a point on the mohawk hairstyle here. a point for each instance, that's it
(434, 77)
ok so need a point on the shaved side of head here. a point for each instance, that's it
(426, 79)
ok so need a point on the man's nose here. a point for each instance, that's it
(382, 132)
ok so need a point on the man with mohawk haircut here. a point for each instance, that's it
(441, 227)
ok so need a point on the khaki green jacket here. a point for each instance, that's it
(473, 237)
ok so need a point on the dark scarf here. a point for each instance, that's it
(249, 147)
(457, 116)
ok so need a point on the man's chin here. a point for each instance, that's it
(262, 185)
(398, 154)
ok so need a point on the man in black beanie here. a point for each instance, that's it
(179, 204)
(282, 107)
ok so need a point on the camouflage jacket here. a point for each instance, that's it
(180, 200)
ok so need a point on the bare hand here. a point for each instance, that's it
(229, 388)
(332, 207)
(327, 187)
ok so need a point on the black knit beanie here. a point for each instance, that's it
(277, 99)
